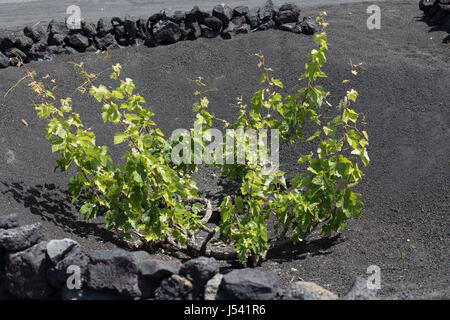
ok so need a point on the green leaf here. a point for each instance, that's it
(88, 210)
(304, 158)
(110, 113)
(349, 114)
(99, 92)
(120, 137)
(365, 157)
(315, 135)
(277, 82)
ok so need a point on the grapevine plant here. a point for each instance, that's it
(154, 197)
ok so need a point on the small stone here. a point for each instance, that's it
(215, 24)
(166, 32)
(20, 238)
(303, 290)
(288, 13)
(240, 11)
(9, 221)
(77, 41)
(32, 33)
(212, 287)
(104, 42)
(308, 26)
(141, 25)
(89, 29)
(266, 12)
(23, 43)
(253, 19)
(104, 27)
(56, 249)
(130, 28)
(56, 39)
(175, 288)
(57, 27)
(223, 12)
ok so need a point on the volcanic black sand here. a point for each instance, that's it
(404, 92)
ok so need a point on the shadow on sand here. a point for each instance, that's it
(54, 205)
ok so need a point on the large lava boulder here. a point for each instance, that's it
(17, 239)
(223, 12)
(104, 27)
(166, 32)
(308, 26)
(118, 271)
(249, 284)
(215, 24)
(266, 12)
(77, 41)
(105, 42)
(288, 13)
(26, 273)
(64, 254)
(200, 270)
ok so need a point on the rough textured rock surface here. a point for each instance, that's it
(57, 274)
(200, 270)
(249, 284)
(288, 13)
(212, 287)
(175, 288)
(117, 271)
(39, 44)
(159, 269)
(166, 32)
(309, 26)
(9, 221)
(57, 249)
(77, 41)
(223, 12)
(20, 238)
(105, 41)
(25, 273)
(303, 290)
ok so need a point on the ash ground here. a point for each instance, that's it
(404, 93)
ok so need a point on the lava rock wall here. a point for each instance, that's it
(39, 43)
(32, 267)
